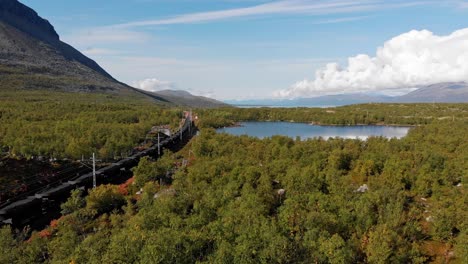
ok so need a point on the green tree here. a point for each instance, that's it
(381, 245)
(73, 203)
(148, 170)
(8, 246)
(104, 199)
(336, 250)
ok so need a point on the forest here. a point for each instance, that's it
(43, 133)
(274, 200)
(71, 125)
(364, 114)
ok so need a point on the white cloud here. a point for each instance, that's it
(340, 20)
(409, 60)
(204, 93)
(278, 7)
(98, 52)
(463, 4)
(153, 85)
(104, 35)
(214, 77)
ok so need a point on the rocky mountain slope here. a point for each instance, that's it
(180, 97)
(442, 92)
(32, 56)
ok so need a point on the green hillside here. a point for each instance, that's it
(277, 200)
(69, 125)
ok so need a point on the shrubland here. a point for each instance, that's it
(278, 200)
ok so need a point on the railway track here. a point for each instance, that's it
(38, 209)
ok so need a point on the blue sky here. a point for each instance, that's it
(239, 49)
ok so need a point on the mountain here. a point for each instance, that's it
(321, 101)
(438, 93)
(342, 99)
(32, 56)
(442, 92)
(185, 98)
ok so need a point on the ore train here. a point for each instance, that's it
(39, 209)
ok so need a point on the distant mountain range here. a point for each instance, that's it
(181, 97)
(32, 56)
(184, 98)
(440, 93)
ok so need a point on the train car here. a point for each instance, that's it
(127, 163)
(138, 156)
(111, 169)
(146, 152)
(58, 192)
(22, 211)
(85, 179)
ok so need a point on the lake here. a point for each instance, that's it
(305, 131)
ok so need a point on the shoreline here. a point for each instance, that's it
(238, 124)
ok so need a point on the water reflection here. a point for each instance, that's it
(305, 131)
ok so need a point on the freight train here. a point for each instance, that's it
(45, 203)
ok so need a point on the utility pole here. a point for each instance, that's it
(159, 146)
(182, 128)
(190, 120)
(181, 131)
(94, 171)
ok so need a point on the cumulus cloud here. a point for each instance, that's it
(153, 85)
(412, 59)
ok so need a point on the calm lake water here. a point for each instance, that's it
(268, 129)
